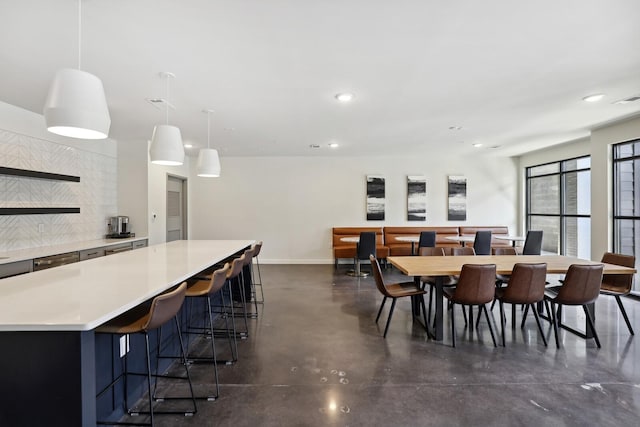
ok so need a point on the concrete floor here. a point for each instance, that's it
(315, 357)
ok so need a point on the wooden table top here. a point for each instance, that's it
(446, 265)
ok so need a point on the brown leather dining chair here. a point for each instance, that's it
(395, 291)
(476, 286)
(581, 286)
(618, 285)
(526, 286)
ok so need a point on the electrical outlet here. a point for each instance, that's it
(40, 228)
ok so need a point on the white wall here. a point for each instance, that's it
(157, 196)
(292, 202)
(601, 180)
(26, 144)
(133, 181)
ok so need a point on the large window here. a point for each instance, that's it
(559, 204)
(626, 198)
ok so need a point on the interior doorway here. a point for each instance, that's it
(176, 208)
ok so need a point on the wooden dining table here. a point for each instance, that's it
(443, 266)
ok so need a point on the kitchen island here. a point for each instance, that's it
(47, 322)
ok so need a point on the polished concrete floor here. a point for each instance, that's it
(315, 357)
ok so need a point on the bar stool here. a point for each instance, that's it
(257, 247)
(143, 319)
(248, 261)
(205, 289)
(235, 274)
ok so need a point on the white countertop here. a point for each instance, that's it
(83, 295)
(31, 253)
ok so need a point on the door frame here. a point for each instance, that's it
(183, 202)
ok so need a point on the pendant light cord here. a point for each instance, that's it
(79, 34)
(167, 103)
(208, 128)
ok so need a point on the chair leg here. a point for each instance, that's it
(464, 314)
(535, 314)
(453, 323)
(481, 308)
(146, 336)
(259, 283)
(524, 315)
(502, 322)
(424, 315)
(591, 325)
(381, 306)
(624, 313)
(555, 323)
(513, 316)
(213, 347)
(386, 328)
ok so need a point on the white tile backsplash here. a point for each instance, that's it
(95, 194)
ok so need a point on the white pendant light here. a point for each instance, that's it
(166, 142)
(208, 165)
(76, 105)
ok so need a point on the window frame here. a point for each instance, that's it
(563, 171)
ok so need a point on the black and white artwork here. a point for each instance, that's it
(375, 198)
(457, 190)
(416, 198)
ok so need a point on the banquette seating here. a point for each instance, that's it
(495, 230)
(348, 249)
(398, 248)
(387, 243)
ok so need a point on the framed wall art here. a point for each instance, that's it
(457, 193)
(416, 198)
(375, 198)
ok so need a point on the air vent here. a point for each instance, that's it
(160, 103)
(628, 100)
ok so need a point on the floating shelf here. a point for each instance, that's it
(37, 211)
(37, 174)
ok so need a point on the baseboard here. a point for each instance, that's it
(296, 261)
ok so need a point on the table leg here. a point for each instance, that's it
(415, 301)
(438, 333)
(357, 272)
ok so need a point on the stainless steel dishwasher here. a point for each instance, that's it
(55, 260)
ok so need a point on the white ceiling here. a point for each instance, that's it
(510, 73)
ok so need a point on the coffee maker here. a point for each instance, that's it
(119, 226)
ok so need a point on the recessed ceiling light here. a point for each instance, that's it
(188, 145)
(344, 97)
(455, 127)
(477, 144)
(593, 98)
(334, 145)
